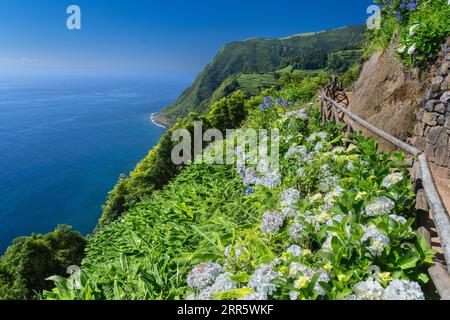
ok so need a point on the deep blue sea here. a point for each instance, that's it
(64, 143)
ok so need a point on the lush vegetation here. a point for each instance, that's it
(259, 56)
(419, 26)
(334, 221)
(30, 260)
(157, 169)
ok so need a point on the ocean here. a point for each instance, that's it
(64, 143)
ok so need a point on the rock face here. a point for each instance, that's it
(387, 95)
(432, 130)
(412, 105)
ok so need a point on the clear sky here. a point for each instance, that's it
(152, 36)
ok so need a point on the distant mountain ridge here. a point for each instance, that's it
(254, 56)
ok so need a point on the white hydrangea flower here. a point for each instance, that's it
(261, 280)
(323, 277)
(412, 30)
(378, 239)
(296, 267)
(398, 219)
(295, 250)
(326, 247)
(270, 179)
(223, 283)
(272, 222)
(392, 179)
(403, 290)
(295, 231)
(290, 212)
(293, 295)
(203, 275)
(250, 177)
(296, 150)
(369, 290)
(289, 197)
(351, 166)
(318, 147)
(379, 206)
(255, 296)
(297, 114)
(412, 49)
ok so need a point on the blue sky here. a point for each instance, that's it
(149, 36)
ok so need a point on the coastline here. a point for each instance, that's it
(156, 122)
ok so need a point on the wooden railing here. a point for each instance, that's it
(333, 106)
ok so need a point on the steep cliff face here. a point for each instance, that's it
(387, 94)
(411, 104)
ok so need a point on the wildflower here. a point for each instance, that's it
(392, 179)
(398, 219)
(401, 49)
(297, 114)
(385, 276)
(379, 240)
(296, 267)
(272, 222)
(412, 29)
(223, 283)
(203, 275)
(296, 150)
(295, 231)
(360, 195)
(249, 191)
(328, 266)
(318, 147)
(255, 296)
(261, 280)
(369, 290)
(271, 179)
(289, 197)
(379, 206)
(412, 49)
(403, 290)
(295, 250)
(301, 282)
(293, 295)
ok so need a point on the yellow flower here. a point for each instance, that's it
(328, 266)
(316, 197)
(283, 269)
(341, 277)
(301, 282)
(360, 195)
(385, 277)
(306, 252)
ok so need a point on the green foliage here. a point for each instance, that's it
(255, 56)
(419, 29)
(157, 169)
(311, 60)
(30, 260)
(305, 89)
(351, 76)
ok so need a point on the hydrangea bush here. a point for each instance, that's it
(336, 223)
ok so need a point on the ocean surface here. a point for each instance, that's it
(65, 142)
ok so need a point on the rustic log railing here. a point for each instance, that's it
(333, 106)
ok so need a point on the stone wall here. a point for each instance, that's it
(432, 131)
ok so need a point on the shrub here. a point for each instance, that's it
(30, 260)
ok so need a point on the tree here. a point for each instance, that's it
(30, 260)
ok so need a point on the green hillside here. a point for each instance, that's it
(257, 56)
